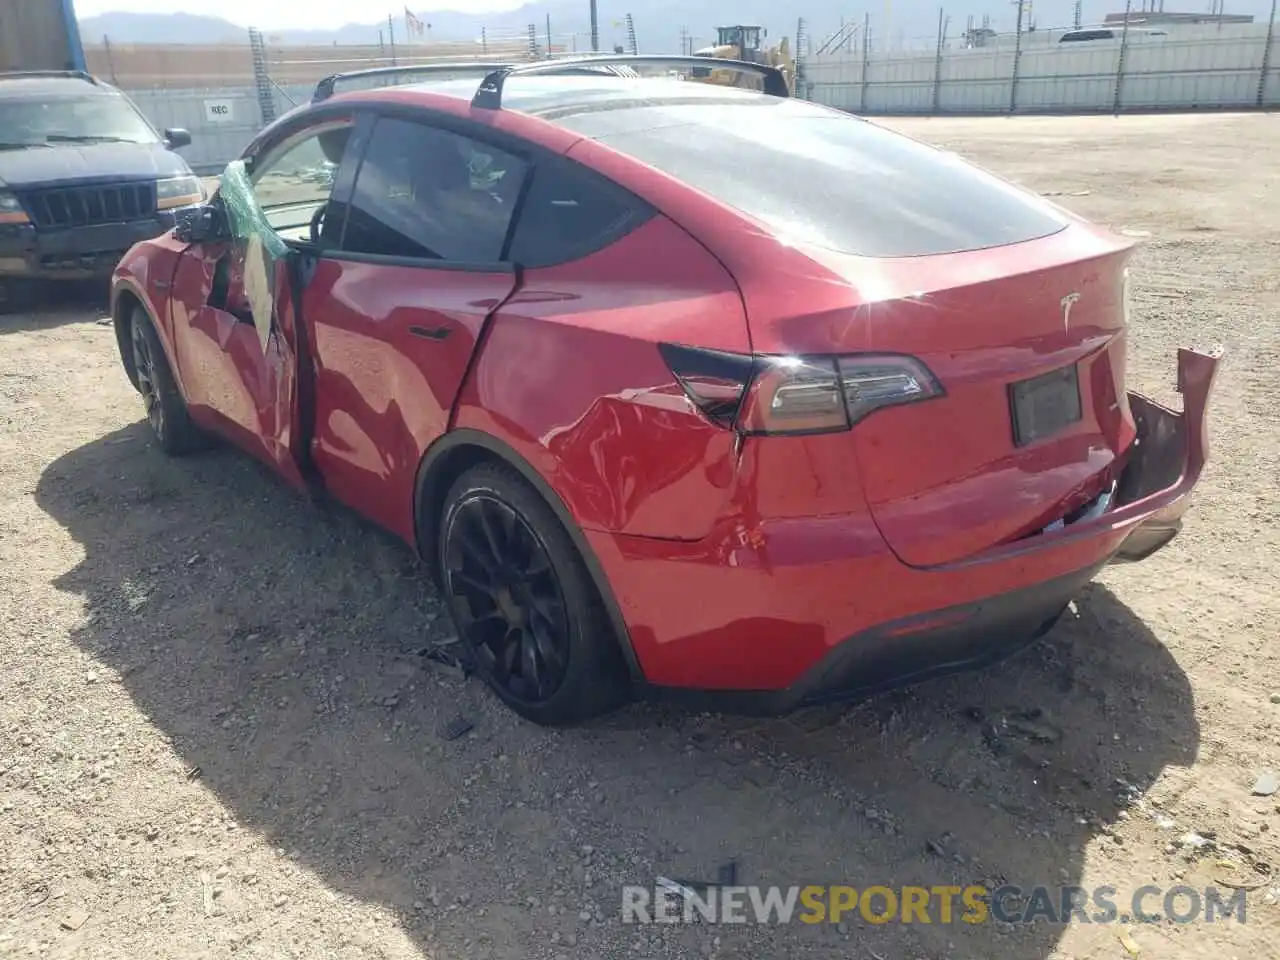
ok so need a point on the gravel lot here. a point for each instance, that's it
(218, 738)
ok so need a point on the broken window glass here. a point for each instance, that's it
(263, 247)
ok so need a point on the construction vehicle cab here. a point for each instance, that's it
(742, 42)
(745, 39)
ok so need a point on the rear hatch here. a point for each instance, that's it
(859, 240)
(1033, 414)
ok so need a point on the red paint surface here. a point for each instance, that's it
(384, 394)
(736, 562)
(759, 601)
(571, 378)
(232, 386)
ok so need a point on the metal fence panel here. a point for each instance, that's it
(975, 81)
(1200, 68)
(222, 122)
(1205, 67)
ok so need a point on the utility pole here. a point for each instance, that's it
(1266, 56)
(595, 27)
(633, 48)
(391, 34)
(111, 60)
(1017, 58)
(1124, 49)
(937, 62)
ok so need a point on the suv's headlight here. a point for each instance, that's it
(10, 209)
(178, 192)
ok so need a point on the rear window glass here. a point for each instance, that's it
(825, 179)
(567, 214)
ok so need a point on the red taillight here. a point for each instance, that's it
(790, 395)
(794, 395)
(874, 381)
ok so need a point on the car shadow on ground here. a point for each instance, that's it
(275, 644)
(25, 307)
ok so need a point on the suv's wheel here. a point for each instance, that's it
(524, 603)
(163, 403)
(16, 296)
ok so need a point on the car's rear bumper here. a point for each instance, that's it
(907, 651)
(785, 613)
(76, 253)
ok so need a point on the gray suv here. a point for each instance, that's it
(83, 177)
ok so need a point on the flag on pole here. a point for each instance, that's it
(411, 23)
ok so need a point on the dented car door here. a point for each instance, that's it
(396, 302)
(235, 324)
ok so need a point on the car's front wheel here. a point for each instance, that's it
(166, 410)
(524, 603)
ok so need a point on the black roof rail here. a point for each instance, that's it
(489, 96)
(325, 88)
(47, 74)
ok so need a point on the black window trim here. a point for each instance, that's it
(531, 154)
(265, 144)
(366, 123)
(364, 116)
(273, 138)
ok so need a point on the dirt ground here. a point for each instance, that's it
(218, 737)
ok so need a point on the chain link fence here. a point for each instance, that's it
(974, 70)
(225, 93)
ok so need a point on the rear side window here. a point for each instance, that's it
(569, 213)
(426, 193)
(824, 179)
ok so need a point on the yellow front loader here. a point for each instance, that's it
(743, 43)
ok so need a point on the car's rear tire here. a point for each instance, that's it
(523, 602)
(161, 400)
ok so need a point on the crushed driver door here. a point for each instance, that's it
(235, 331)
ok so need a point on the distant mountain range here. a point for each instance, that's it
(659, 24)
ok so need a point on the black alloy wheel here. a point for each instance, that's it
(161, 399)
(145, 371)
(524, 604)
(508, 598)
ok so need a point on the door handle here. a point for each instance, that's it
(439, 333)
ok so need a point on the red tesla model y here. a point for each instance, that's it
(675, 387)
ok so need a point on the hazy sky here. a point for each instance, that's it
(274, 14)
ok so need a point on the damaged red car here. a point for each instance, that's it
(675, 388)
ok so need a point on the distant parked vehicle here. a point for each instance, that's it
(1107, 33)
(83, 177)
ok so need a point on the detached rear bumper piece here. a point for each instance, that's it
(807, 610)
(1170, 452)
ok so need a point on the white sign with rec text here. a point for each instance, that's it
(219, 111)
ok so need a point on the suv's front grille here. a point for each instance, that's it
(87, 206)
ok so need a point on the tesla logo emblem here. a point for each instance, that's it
(1068, 302)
